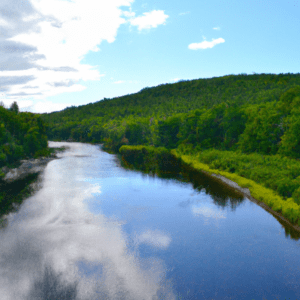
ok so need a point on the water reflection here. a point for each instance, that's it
(54, 248)
(208, 212)
(222, 195)
(153, 238)
(11, 194)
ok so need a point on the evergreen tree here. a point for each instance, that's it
(14, 107)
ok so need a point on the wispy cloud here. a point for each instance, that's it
(150, 20)
(43, 43)
(216, 28)
(206, 44)
(154, 238)
(184, 13)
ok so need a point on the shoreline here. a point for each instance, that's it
(22, 182)
(247, 194)
(245, 191)
(284, 210)
(27, 167)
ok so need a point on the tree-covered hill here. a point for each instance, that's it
(22, 135)
(181, 97)
(230, 112)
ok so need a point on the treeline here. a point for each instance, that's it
(22, 135)
(249, 113)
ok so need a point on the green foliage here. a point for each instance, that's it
(205, 113)
(168, 131)
(21, 135)
(150, 159)
(14, 107)
(135, 133)
(278, 173)
(262, 131)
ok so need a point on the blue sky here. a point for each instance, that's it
(60, 53)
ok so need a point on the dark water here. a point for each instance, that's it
(98, 231)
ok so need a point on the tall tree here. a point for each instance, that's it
(14, 107)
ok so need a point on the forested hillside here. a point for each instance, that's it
(251, 113)
(22, 135)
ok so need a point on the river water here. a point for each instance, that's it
(98, 231)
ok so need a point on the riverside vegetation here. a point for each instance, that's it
(22, 136)
(245, 127)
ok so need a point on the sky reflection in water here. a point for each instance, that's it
(98, 231)
(54, 248)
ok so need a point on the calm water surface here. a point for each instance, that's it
(98, 231)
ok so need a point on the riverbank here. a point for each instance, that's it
(20, 182)
(246, 192)
(286, 210)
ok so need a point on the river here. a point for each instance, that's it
(96, 230)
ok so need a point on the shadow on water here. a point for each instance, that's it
(13, 194)
(222, 194)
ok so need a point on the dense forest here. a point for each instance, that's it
(248, 125)
(22, 135)
(249, 113)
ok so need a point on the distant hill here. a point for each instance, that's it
(245, 112)
(181, 97)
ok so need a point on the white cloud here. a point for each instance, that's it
(216, 28)
(129, 14)
(43, 43)
(150, 20)
(48, 106)
(22, 104)
(175, 79)
(206, 44)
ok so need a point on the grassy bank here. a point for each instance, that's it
(269, 178)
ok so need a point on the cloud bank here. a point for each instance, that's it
(206, 44)
(43, 43)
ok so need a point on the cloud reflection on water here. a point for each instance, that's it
(153, 238)
(208, 212)
(50, 247)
